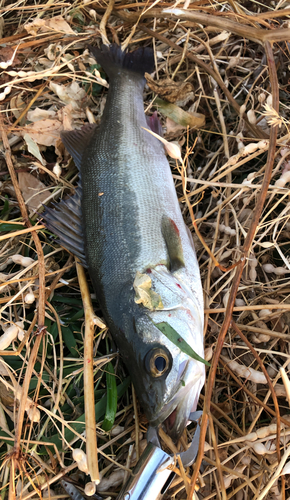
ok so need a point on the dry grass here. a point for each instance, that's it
(234, 194)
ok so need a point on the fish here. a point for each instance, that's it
(125, 225)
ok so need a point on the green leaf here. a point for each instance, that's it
(5, 226)
(79, 314)
(54, 331)
(95, 88)
(69, 340)
(112, 398)
(79, 423)
(34, 381)
(77, 14)
(6, 208)
(175, 338)
(180, 116)
(66, 300)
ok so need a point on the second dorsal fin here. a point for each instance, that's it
(76, 141)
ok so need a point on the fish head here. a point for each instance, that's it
(166, 379)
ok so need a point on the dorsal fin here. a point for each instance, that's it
(76, 141)
(172, 239)
(65, 220)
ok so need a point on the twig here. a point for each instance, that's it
(30, 229)
(254, 307)
(223, 23)
(246, 31)
(259, 361)
(91, 436)
(25, 217)
(193, 220)
(25, 389)
(102, 26)
(217, 459)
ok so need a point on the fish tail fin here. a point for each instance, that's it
(113, 59)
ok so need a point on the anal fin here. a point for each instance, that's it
(65, 220)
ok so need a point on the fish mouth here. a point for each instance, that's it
(175, 414)
(177, 420)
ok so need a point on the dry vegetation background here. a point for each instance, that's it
(221, 88)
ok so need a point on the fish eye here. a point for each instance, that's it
(160, 363)
(157, 362)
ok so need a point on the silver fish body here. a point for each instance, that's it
(132, 225)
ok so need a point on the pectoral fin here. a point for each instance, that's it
(172, 239)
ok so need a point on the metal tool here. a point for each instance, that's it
(152, 476)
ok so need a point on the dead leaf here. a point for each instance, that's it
(45, 132)
(70, 94)
(52, 51)
(3, 370)
(17, 106)
(45, 62)
(173, 129)
(6, 54)
(57, 24)
(6, 395)
(66, 116)
(32, 190)
(40, 114)
(168, 89)
(33, 148)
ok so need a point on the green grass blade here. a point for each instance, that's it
(79, 423)
(112, 398)
(175, 338)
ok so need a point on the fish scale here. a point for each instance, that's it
(132, 215)
(132, 227)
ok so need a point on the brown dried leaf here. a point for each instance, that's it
(6, 53)
(6, 395)
(45, 132)
(17, 106)
(168, 89)
(32, 190)
(57, 24)
(40, 114)
(173, 129)
(70, 94)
